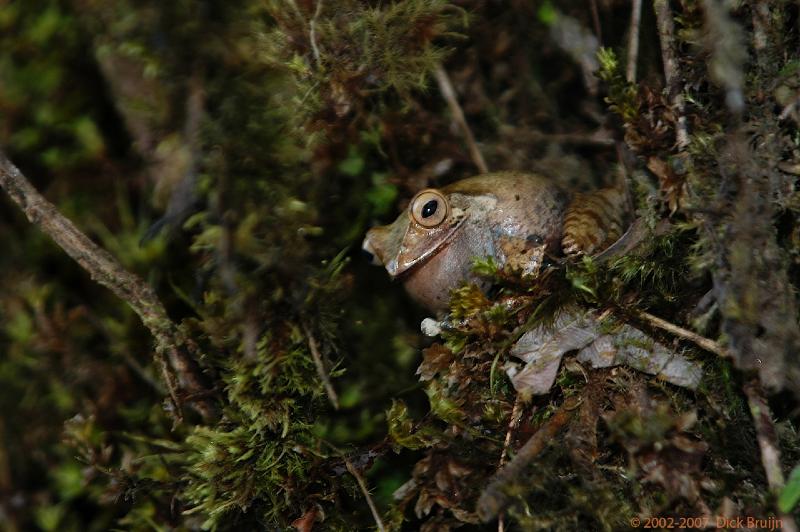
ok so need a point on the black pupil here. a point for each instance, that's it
(429, 209)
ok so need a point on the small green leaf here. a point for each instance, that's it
(608, 61)
(547, 13)
(791, 492)
(353, 164)
(581, 284)
(89, 136)
(382, 194)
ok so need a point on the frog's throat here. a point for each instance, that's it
(409, 258)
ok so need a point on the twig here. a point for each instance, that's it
(494, 499)
(449, 94)
(321, 371)
(633, 40)
(666, 35)
(760, 18)
(6, 481)
(767, 443)
(581, 44)
(637, 233)
(141, 373)
(596, 21)
(624, 181)
(363, 486)
(600, 137)
(513, 423)
(107, 271)
(294, 6)
(701, 341)
(312, 33)
(729, 56)
(765, 431)
(183, 197)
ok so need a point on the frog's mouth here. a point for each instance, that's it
(384, 243)
(414, 254)
(370, 253)
(401, 246)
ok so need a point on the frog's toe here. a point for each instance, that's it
(579, 242)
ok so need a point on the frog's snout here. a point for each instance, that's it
(369, 251)
(385, 242)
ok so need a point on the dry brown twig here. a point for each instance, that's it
(312, 33)
(513, 423)
(768, 444)
(449, 94)
(666, 35)
(701, 341)
(599, 137)
(363, 487)
(320, 365)
(596, 21)
(493, 499)
(633, 40)
(760, 17)
(106, 270)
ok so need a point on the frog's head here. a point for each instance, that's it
(432, 219)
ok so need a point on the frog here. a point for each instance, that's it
(519, 220)
(522, 221)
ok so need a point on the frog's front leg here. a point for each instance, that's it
(594, 221)
(525, 255)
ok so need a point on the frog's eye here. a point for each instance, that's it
(429, 208)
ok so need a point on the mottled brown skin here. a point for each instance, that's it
(515, 218)
(594, 221)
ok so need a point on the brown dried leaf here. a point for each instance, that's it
(305, 523)
(672, 185)
(435, 359)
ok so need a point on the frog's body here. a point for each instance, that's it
(515, 218)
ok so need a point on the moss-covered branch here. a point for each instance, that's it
(106, 270)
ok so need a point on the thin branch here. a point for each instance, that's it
(666, 35)
(320, 365)
(637, 233)
(494, 499)
(449, 94)
(765, 431)
(596, 21)
(183, 197)
(312, 33)
(760, 18)
(294, 6)
(141, 372)
(768, 444)
(623, 181)
(363, 486)
(581, 45)
(599, 137)
(633, 40)
(729, 56)
(513, 423)
(106, 270)
(701, 341)
(6, 479)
